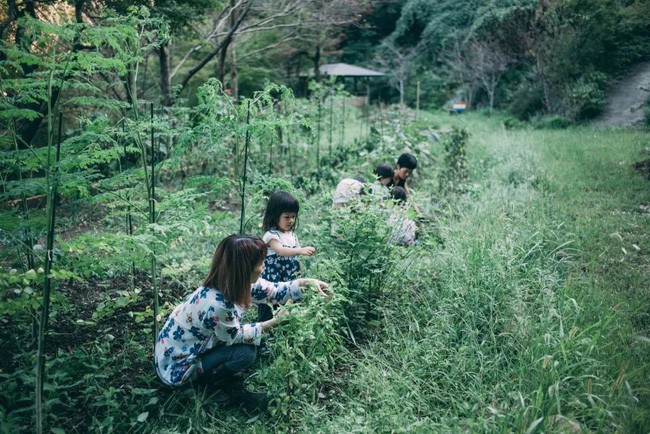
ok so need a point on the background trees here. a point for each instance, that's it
(528, 56)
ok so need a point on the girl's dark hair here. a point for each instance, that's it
(407, 160)
(398, 194)
(384, 171)
(233, 263)
(279, 202)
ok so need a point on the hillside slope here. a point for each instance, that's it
(626, 98)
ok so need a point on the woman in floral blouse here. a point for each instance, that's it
(203, 338)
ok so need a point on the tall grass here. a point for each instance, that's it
(529, 317)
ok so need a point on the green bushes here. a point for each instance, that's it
(526, 100)
(587, 97)
(453, 175)
(304, 351)
(551, 122)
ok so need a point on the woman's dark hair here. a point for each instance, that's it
(407, 160)
(398, 194)
(279, 202)
(233, 263)
(384, 171)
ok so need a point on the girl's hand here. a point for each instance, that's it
(307, 251)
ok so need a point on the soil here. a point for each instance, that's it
(626, 98)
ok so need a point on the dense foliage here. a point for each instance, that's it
(548, 57)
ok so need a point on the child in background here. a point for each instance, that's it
(406, 164)
(403, 228)
(281, 263)
(379, 189)
(346, 190)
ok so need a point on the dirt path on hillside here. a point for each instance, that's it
(626, 98)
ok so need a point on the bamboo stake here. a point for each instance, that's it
(417, 100)
(331, 122)
(129, 220)
(45, 308)
(271, 156)
(318, 139)
(342, 121)
(243, 188)
(152, 218)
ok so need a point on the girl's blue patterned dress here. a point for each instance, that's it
(281, 268)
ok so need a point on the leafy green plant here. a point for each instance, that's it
(588, 96)
(304, 351)
(556, 122)
(453, 176)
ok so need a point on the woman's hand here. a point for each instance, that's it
(321, 286)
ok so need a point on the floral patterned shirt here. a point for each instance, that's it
(206, 319)
(281, 268)
(403, 229)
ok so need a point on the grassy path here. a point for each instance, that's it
(532, 314)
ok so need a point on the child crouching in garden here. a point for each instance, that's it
(204, 340)
(403, 229)
(281, 263)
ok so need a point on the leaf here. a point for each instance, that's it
(252, 419)
(533, 425)
(143, 416)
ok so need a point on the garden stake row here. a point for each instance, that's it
(45, 307)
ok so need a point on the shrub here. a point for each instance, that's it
(526, 100)
(556, 122)
(511, 123)
(453, 176)
(587, 97)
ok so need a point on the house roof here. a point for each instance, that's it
(345, 70)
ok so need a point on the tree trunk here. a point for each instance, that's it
(78, 10)
(491, 99)
(165, 79)
(221, 65)
(317, 56)
(234, 83)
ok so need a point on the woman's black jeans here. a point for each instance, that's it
(222, 362)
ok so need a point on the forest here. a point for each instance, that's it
(136, 136)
